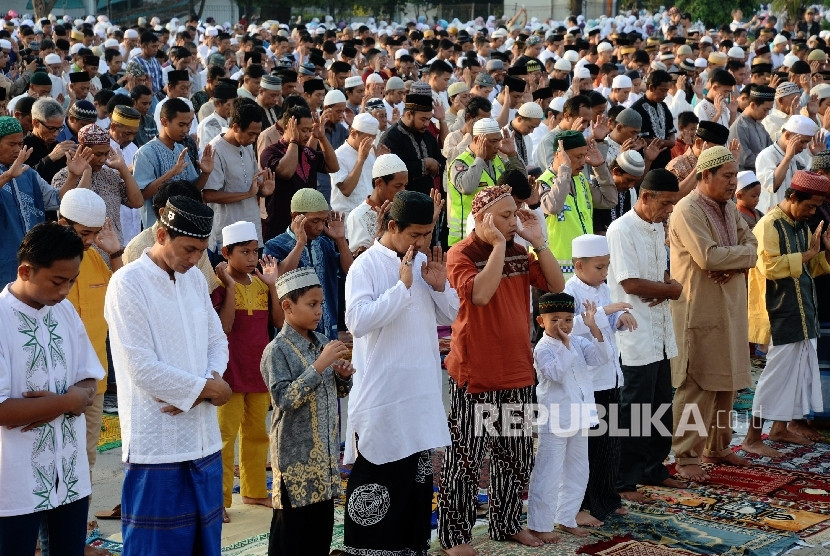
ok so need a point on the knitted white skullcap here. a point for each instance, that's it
(562, 65)
(801, 125)
(353, 81)
(84, 206)
(485, 126)
(558, 104)
(52, 59)
(365, 123)
(335, 96)
(388, 164)
(374, 78)
(531, 110)
(621, 82)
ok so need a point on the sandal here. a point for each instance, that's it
(114, 513)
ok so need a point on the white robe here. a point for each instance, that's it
(790, 386)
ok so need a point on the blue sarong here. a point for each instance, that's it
(172, 508)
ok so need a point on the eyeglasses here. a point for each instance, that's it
(49, 127)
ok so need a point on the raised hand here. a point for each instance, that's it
(530, 229)
(437, 203)
(343, 368)
(593, 156)
(434, 271)
(206, 164)
(405, 272)
(795, 104)
(438, 111)
(507, 145)
(815, 241)
(61, 149)
(612, 308)
(381, 215)
(697, 87)
(818, 143)
(336, 228)
(774, 81)
(653, 150)
(478, 146)
(298, 227)
(224, 274)
(270, 271)
(488, 232)
(681, 83)
(181, 163)
(812, 105)
(78, 163)
(561, 158)
(735, 148)
(600, 128)
(17, 168)
(589, 313)
(106, 238)
(115, 160)
(364, 148)
(396, 115)
(292, 133)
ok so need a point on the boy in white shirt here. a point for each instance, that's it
(591, 259)
(565, 388)
(48, 374)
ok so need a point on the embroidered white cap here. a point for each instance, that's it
(238, 232)
(335, 96)
(621, 82)
(388, 164)
(485, 126)
(365, 123)
(353, 81)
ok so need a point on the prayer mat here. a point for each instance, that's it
(805, 486)
(485, 546)
(626, 546)
(95, 540)
(252, 546)
(728, 506)
(743, 400)
(683, 531)
(810, 551)
(811, 459)
(750, 479)
(110, 433)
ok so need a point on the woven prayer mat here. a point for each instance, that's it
(567, 546)
(626, 546)
(813, 459)
(110, 433)
(684, 531)
(756, 479)
(96, 540)
(723, 505)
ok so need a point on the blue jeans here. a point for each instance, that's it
(64, 526)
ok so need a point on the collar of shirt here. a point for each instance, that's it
(298, 339)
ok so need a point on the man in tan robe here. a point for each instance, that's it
(711, 246)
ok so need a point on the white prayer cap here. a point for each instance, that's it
(621, 82)
(485, 126)
(401, 52)
(211, 32)
(658, 66)
(706, 39)
(822, 90)
(558, 104)
(387, 164)
(90, 19)
(572, 56)
(353, 81)
(238, 232)
(5, 45)
(52, 59)
(455, 89)
(589, 245)
(531, 110)
(499, 33)
(801, 125)
(701, 62)
(631, 162)
(111, 43)
(374, 78)
(130, 34)
(789, 60)
(365, 123)
(562, 65)
(76, 48)
(604, 47)
(746, 178)
(84, 206)
(779, 39)
(395, 83)
(736, 52)
(335, 96)
(583, 73)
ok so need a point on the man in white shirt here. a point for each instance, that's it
(638, 275)
(395, 297)
(776, 164)
(393, 98)
(352, 183)
(169, 352)
(217, 122)
(389, 175)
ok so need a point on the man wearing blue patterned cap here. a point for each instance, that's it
(24, 196)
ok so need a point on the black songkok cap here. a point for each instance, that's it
(517, 70)
(313, 85)
(177, 76)
(418, 103)
(660, 180)
(79, 77)
(412, 207)
(542, 93)
(516, 85)
(188, 217)
(559, 84)
(712, 132)
(556, 303)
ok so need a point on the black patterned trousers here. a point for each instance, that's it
(511, 462)
(601, 496)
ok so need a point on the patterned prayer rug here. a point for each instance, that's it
(813, 459)
(626, 546)
(95, 539)
(110, 433)
(681, 530)
(755, 480)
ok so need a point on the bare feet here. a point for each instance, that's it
(257, 501)
(547, 538)
(635, 496)
(760, 448)
(584, 519)
(577, 531)
(461, 550)
(804, 429)
(731, 459)
(674, 483)
(225, 517)
(622, 510)
(527, 538)
(790, 437)
(94, 551)
(692, 472)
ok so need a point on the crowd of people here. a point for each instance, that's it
(612, 216)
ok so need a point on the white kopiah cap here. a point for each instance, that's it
(353, 81)
(365, 123)
(485, 126)
(238, 232)
(531, 110)
(621, 82)
(84, 206)
(589, 245)
(335, 96)
(388, 164)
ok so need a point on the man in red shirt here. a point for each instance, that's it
(491, 362)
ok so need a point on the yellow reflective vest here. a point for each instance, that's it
(461, 203)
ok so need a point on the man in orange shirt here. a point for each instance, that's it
(492, 364)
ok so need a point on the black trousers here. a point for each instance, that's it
(305, 530)
(643, 452)
(601, 496)
(389, 506)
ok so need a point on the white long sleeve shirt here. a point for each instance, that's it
(608, 375)
(166, 339)
(396, 358)
(43, 349)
